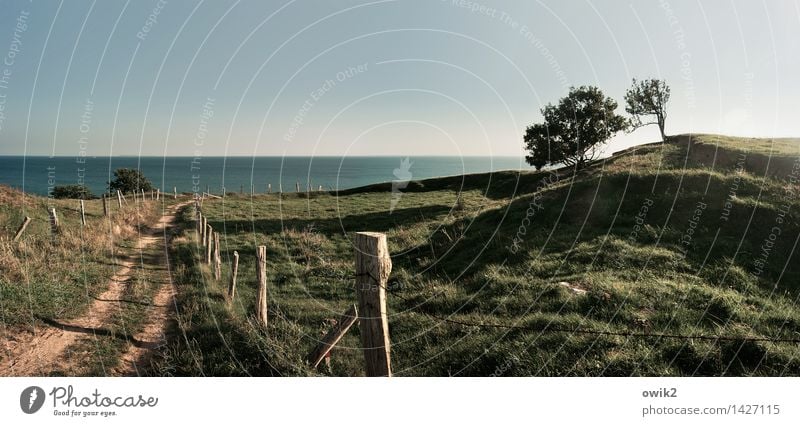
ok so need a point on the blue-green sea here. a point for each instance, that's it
(39, 174)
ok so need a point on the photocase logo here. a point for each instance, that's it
(403, 176)
(31, 399)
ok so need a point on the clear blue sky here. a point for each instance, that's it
(437, 77)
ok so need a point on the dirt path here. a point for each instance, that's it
(153, 335)
(43, 352)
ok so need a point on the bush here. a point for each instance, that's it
(130, 180)
(73, 191)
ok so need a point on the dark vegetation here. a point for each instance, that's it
(78, 192)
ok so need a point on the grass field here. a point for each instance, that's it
(505, 273)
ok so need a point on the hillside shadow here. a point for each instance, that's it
(377, 222)
(94, 331)
(495, 185)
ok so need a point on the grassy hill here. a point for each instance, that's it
(601, 273)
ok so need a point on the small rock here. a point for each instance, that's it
(572, 288)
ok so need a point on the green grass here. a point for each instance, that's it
(776, 146)
(454, 260)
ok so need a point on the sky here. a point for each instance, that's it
(382, 77)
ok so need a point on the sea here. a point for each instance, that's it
(234, 174)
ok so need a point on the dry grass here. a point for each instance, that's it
(56, 275)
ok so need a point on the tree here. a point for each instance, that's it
(73, 191)
(646, 99)
(573, 130)
(129, 180)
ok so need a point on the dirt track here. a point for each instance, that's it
(42, 352)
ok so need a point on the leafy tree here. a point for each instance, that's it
(573, 130)
(130, 180)
(73, 191)
(646, 101)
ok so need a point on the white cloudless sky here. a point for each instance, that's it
(407, 77)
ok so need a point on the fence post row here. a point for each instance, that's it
(373, 266)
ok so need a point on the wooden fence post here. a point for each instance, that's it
(373, 266)
(158, 194)
(217, 259)
(21, 229)
(174, 192)
(105, 206)
(119, 198)
(269, 188)
(297, 187)
(234, 273)
(261, 273)
(333, 336)
(53, 220)
(205, 230)
(209, 242)
(198, 227)
(83, 214)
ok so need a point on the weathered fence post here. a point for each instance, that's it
(373, 266)
(333, 336)
(53, 220)
(199, 227)
(105, 206)
(297, 187)
(158, 194)
(83, 214)
(119, 198)
(209, 242)
(217, 259)
(234, 273)
(261, 273)
(205, 230)
(21, 229)
(174, 192)
(269, 188)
